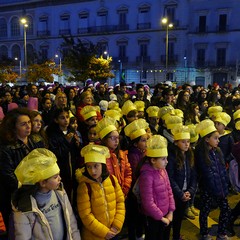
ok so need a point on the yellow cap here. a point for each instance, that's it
(157, 146)
(237, 125)
(95, 153)
(213, 110)
(38, 165)
(223, 118)
(127, 107)
(140, 105)
(165, 110)
(152, 111)
(172, 121)
(236, 115)
(136, 128)
(205, 127)
(113, 114)
(89, 111)
(105, 126)
(179, 113)
(193, 134)
(181, 132)
(114, 105)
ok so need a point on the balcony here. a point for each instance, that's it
(202, 29)
(44, 33)
(144, 59)
(83, 30)
(124, 27)
(172, 59)
(222, 28)
(144, 25)
(64, 31)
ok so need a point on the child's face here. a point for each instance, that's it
(63, 120)
(159, 163)
(153, 121)
(51, 183)
(113, 140)
(37, 124)
(74, 125)
(94, 170)
(220, 127)
(92, 134)
(142, 143)
(91, 121)
(213, 140)
(47, 105)
(183, 144)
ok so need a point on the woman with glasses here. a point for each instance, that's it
(183, 100)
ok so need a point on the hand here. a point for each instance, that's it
(110, 235)
(186, 197)
(69, 136)
(169, 216)
(114, 229)
(165, 221)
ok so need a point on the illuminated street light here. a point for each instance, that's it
(60, 62)
(20, 66)
(168, 25)
(25, 26)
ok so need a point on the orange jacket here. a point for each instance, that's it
(121, 169)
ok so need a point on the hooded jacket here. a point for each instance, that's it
(155, 191)
(101, 208)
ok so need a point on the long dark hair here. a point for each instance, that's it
(143, 161)
(204, 147)
(180, 157)
(104, 175)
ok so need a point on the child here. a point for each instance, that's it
(156, 194)
(138, 138)
(100, 200)
(182, 175)
(213, 179)
(41, 209)
(73, 125)
(92, 135)
(117, 163)
(64, 144)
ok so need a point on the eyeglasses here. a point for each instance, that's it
(186, 95)
(114, 138)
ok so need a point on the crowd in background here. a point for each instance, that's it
(128, 121)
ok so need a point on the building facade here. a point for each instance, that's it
(201, 47)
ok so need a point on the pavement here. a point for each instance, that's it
(190, 228)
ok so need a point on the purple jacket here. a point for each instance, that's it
(156, 192)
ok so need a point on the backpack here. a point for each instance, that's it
(234, 175)
(136, 191)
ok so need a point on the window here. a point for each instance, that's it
(43, 26)
(143, 17)
(222, 22)
(143, 50)
(171, 52)
(221, 57)
(64, 24)
(200, 57)
(170, 13)
(44, 53)
(3, 52)
(30, 25)
(102, 17)
(16, 51)
(83, 22)
(15, 27)
(3, 27)
(202, 24)
(122, 51)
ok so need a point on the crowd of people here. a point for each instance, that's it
(70, 159)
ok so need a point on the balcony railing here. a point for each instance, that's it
(222, 28)
(145, 59)
(44, 33)
(64, 31)
(144, 25)
(202, 29)
(172, 59)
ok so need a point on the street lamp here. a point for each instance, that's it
(106, 54)
(25, 26)
(60, 62)
(20, 66)
(168, 25)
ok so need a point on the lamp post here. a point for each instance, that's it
(168, 25)
(20, 66)
(106, 54)
(60, 62)
(25, 26)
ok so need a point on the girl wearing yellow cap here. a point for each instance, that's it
(117, 163)
(136, 131)
(157, 199)
(182, 175)
(100, 200)
(213, 179)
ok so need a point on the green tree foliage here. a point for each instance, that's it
(82, 61)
